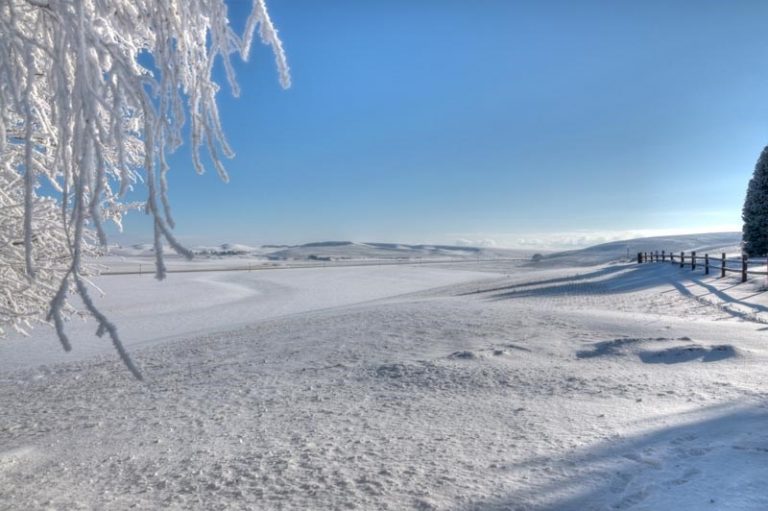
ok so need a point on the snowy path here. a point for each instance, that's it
(617, 388)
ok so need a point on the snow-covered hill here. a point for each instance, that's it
(338, 250)
(370, 251)
(627, 249)
(140, 257)
(225, 249)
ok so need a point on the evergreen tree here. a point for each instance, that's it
(755, 212)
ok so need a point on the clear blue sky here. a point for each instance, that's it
(439, 120)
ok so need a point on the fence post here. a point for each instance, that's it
(706, 264)
(671, 257)
(639, 258)
(693, 260)
(722, 265)
(682, 259)
(743, 267)
(663, 257)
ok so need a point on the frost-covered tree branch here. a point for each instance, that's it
(93, 97)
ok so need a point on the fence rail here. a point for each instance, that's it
(707, 262)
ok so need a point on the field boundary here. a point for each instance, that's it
(721, 261)
(148, 268)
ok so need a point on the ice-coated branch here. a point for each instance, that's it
(94, 94)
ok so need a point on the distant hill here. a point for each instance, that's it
(148, 249)
(337, 250)
(617, 250)
(331, 251)
(356, 251)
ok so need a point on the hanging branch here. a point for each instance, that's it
(83, 110)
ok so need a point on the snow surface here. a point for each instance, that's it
(619, 386)
(194, 303)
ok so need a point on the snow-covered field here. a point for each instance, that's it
(190, 304)
(141, 258)
(618, 386)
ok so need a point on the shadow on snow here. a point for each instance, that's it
(632, 278)
(715, 460)
(672, 355)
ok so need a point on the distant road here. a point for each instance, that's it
(149, 267)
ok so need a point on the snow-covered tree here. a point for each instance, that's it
(755, 211)
(93, 97)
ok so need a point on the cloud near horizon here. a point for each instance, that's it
(485, 243)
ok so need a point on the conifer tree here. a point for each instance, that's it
(755, 212)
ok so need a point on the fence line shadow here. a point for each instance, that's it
(625, 279)
(628, 279)
(728, 298)
(571, 278)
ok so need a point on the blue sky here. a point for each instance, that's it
(515, 123)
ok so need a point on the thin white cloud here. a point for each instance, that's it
(486, 242)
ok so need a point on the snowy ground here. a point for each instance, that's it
(636, 387)
(190, 304)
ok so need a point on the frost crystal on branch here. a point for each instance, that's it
(85, 115)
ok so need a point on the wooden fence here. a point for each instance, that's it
(720, 262)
